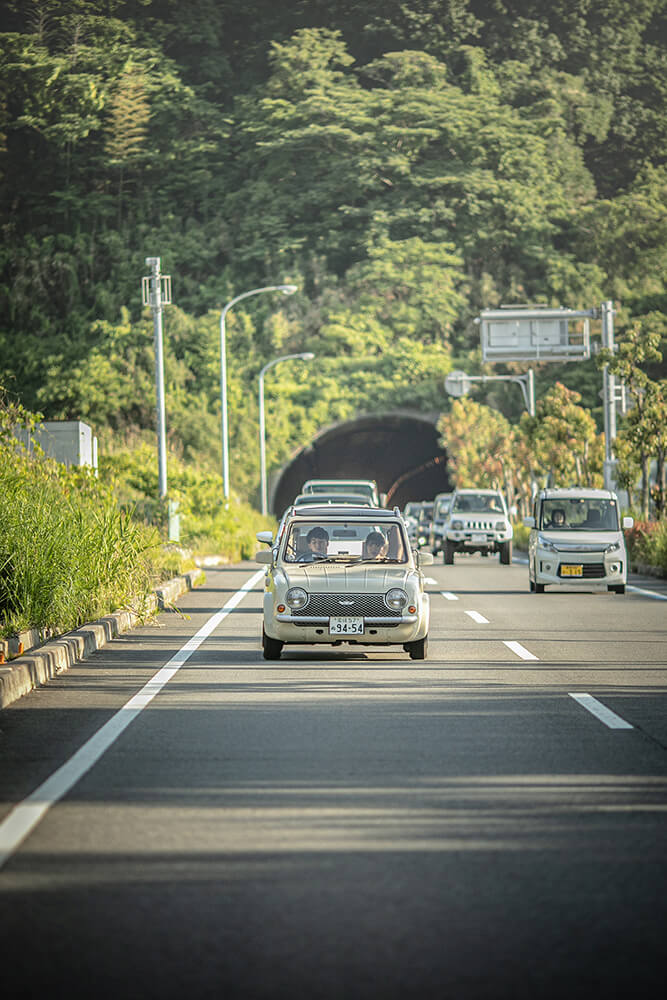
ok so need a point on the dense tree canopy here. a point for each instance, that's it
(406, 166)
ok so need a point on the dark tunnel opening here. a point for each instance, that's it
(399, 450)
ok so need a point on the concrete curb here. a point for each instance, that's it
(40, 664)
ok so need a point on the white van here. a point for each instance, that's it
(576, 538)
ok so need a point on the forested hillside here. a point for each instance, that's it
(406, 164)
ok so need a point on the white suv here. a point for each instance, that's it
(576, 538)
(478, 522)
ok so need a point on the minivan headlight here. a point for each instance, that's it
(296, 597)
(396, 599)
(545, 543)
(613, 547)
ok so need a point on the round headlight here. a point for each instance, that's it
(501, 526)
(297, 598)
(457, 525)
(396, 599)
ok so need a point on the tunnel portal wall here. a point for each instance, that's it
(399, 450)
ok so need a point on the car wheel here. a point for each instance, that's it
(272, 647)
(531, 585)
(417, 649)
(448, 554)
(617, 588)
(539, 588)
(506, 553)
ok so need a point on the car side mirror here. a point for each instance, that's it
(264, 556)
(264, 536)
(628, 522)
(425, 559)
(529, 522)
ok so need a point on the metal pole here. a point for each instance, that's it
(223, 406)
(156, 306)
(608, 395)
(286, 290)
(262, 442)
(531, 392)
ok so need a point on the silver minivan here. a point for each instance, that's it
(576, 538)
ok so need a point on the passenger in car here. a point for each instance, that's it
(375, 546)
(318, 544)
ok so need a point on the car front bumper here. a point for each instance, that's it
(596, 568)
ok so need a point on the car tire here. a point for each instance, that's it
(506, 553)
(531, 585)
(272, 648)
(539, 588)
(617, 588)
(417, 649)
(448, 554)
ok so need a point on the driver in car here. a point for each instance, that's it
(318, 544)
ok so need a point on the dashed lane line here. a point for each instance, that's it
(520, 650)
(448, 595)
(476, 617)
(600, 711)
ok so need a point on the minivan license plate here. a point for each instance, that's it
(346, 626)
(572, 570)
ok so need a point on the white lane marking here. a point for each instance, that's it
(429, 579)
(646, 593)
(449, 596)
(601, 711)
(520, 650)
(26, 815)
(476, 617)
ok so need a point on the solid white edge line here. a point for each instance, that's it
(600, 711)
(646, 593)
(476, 617)
(448, 595)
(520, 650)
(25, 816)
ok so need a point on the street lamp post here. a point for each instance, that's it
(286, 290)
(262, 428)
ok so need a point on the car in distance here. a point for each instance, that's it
(441, 506)
(576, 538)
(344, 574)
(366, 487)
(355, 499)
(478, 522)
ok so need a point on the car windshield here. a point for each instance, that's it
(478, 502)
(425, 514)
(442, 507)
(351, 541)
(365, 489)
(579, 514)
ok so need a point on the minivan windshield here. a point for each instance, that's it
(579, 514)
(351, 541)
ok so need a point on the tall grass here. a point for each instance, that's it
(67, 553)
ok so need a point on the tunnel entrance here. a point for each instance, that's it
(399, 450)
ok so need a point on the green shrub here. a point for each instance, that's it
(647, 543)
(521, 533)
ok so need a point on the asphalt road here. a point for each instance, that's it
(351, 824)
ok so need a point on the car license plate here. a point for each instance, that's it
(346, 626)
(571, 570)
(476, 538)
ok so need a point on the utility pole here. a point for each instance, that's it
(156, 292)
(608, 396)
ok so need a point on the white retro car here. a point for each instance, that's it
(343, 574)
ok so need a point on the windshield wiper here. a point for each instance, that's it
(383, 559)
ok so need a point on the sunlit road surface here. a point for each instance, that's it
(346, 823)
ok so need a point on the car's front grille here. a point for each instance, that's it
(590, 571)
(357, 605)
(480, 525)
